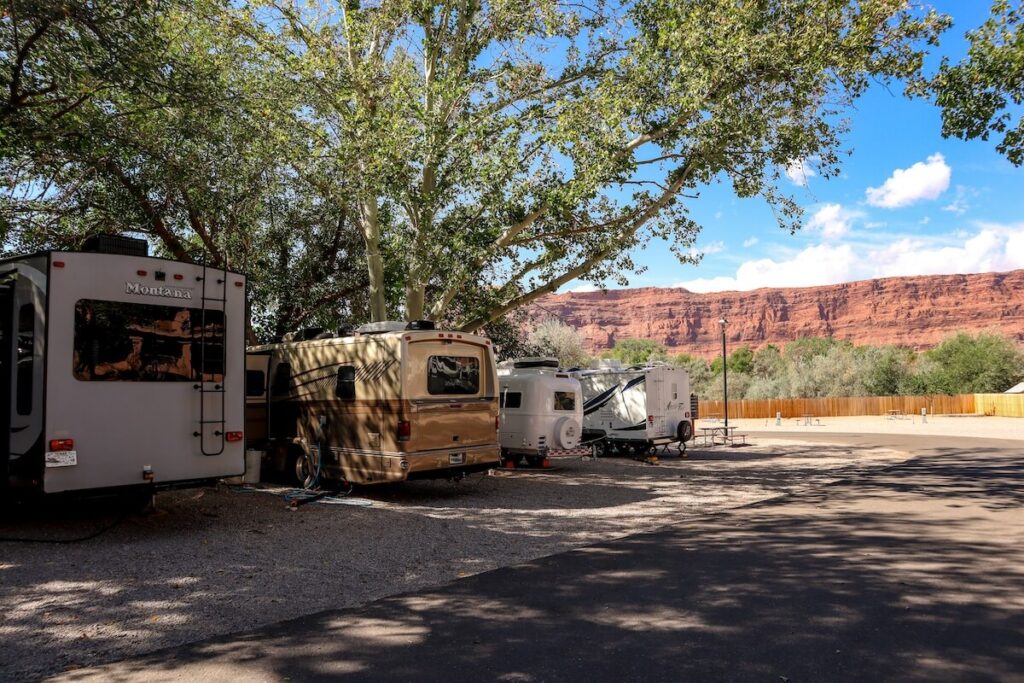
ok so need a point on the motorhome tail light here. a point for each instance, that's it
(687, 414)
(497, 422)
(404, 430)
(62, 444)
(234, 436)
(58, 264)
(179, 276)
(140, 273)
(239, 283)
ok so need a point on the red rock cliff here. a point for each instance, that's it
(915, 311)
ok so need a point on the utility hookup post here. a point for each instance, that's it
(924, 416)
(778, 419)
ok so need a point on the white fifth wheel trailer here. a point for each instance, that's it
(121, 370)
(635, 410)
(541, 409)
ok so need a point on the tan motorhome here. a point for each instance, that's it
(391, 402)
(119, 369)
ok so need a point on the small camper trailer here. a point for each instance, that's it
(121, 369)
(391, 402)
(541, 409)
(633, 411)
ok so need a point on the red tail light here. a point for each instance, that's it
(497, 422)
(404, 430)
(62, 444)
(234, 436)
(650, 418)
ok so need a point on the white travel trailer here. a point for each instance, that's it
(391, 402)
(633, 411)
(121, 370)
(541, 409)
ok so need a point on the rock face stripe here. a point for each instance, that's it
(914, 311)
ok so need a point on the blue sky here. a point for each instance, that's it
(908, 202)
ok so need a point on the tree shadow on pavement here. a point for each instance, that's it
(867, 581)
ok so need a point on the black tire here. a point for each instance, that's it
(684, 432)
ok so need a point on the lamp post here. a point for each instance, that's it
(725, 374)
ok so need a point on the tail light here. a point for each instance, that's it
(234, 436)
(62, 444)
(650, 418)
(497, 422)
(404, 430)
(687, 415)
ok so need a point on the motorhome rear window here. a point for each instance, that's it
(511, 399)
(453, 375)
(119, 341)
(565, 400)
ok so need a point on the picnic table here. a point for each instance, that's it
(720, 434)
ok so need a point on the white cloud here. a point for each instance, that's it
(832, 220)
(992, 247)
(926, 220)
(906, 186)
(959, 205)
(713, 248)
(585, 287)
(799, 170)
(751, 241)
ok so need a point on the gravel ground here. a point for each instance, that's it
(214, 561)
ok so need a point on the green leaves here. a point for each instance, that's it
(979, 94)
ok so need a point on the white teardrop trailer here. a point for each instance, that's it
(541, 410)
(636, 410)
(119, 370)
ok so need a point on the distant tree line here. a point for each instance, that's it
(818, 366)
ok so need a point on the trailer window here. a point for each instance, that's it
(282, 385)
(26, 357)
(119, 341)
(511, 399)
(345, 387)
(565, 400)
(453, 375)
(255, 382)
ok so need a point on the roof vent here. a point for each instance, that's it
(381, 327)
(115, 244)
(306, 333)
(421, 325)
(345, 331)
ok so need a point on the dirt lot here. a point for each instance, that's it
(216, 561)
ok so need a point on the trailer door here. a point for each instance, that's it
(257, 370)
(6, 361)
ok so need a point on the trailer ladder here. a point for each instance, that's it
(214, 446)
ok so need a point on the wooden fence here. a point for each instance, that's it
(1006, 405)
(1010, 405)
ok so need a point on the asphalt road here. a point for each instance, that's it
(910, 572)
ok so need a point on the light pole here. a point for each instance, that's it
(725, 375)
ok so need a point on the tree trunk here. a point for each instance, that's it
(370, 221)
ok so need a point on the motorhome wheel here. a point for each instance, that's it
(302, 470)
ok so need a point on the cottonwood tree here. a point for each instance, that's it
(981, 94)
(526, 144)
(150, 117)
